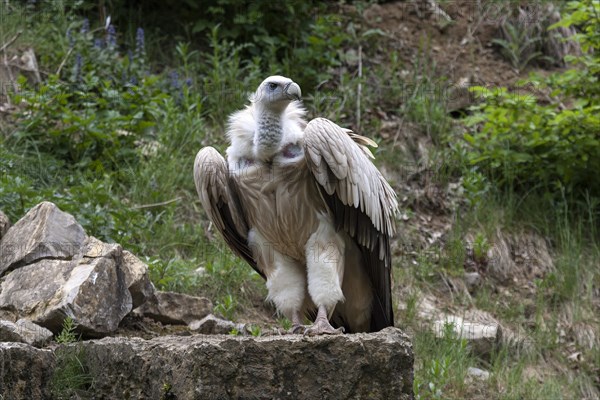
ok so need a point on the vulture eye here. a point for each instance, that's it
(272, 86)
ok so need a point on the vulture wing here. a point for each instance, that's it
(219, 197)
(361, 201)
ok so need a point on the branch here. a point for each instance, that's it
(164, 203)
(5, 45)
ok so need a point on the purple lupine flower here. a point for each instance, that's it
(111, 36)
(176, 84)
(188, 82)
(175, 80)
(78, 66)
(139, 42)
(85, 27)
(70, 38)
(133, 81)
(98, 43)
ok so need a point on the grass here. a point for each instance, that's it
(556, 316)
(70, 377)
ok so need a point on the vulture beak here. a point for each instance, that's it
(292, 90)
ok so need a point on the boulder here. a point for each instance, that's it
(90, 289)
(24, 331)
(137, 279)
(354, 366)
(25, 371)
(4, 224)
(45, 232)
(175, 308)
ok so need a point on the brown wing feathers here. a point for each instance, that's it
(219, 197)
(361, 201)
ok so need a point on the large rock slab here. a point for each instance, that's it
(377, 366)
(359, 366)
(25, 371)
(45, 232)
(90, 289)
(176, 308)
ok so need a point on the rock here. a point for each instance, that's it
(24, 331)
(211, 325)
(137, 279)
(378, 365)
(476, 374)
(90, 289)
(176, 308)
(472, 280)
(481, 337)
(521, 256)
(25, 371)
(4, 224)
(45, 232)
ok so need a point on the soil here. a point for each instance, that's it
(460, 49)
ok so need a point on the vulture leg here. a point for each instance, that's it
(286, 278)
(325, 272)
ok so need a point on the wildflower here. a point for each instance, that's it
(85, 27)
(98, 43)
(139, 42)
(78, 68)
(70, 38)
(175, 84)
(188, 82)
(111, 36)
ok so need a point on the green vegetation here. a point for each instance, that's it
(67, 334)
(70, 377)
(111, 132)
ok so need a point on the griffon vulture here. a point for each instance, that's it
(304, 205)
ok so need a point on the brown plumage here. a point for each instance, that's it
(304, 205)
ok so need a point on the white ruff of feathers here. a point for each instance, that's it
(242, 127)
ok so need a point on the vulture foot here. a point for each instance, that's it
(322, 327)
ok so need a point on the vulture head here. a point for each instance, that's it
(276, 92)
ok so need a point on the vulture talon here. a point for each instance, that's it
(322, 327)
(297, 329)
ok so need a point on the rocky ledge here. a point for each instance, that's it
(359, 366)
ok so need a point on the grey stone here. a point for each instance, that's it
(137, 279)
(25, 371)
(24, 331)
(358, 366)
(477, 373)
(90, 289)
(211, 325)
(482, 337)
(472, 280)
(175, 308)
(45, 232)
(4, 224)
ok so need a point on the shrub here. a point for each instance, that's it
(94, 111)
(523, 143)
